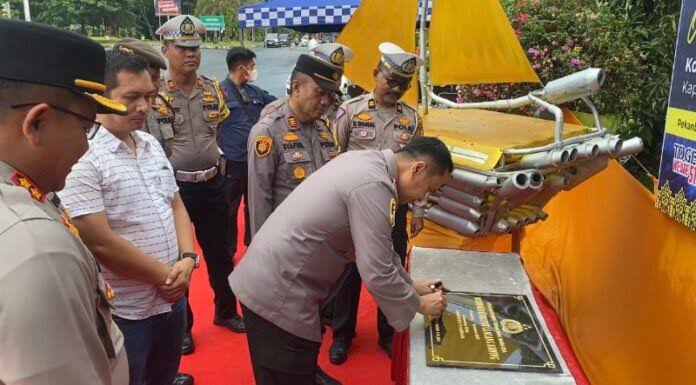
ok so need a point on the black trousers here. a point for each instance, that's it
(208, 210)
(279, 357)
(236, 181)
(345, 313)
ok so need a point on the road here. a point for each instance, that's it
(274, 66)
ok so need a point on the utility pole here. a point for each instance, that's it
(27, 15)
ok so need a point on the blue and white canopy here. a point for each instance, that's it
(305, 15)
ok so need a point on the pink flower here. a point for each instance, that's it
(478, 92)
(565, 48)
(490, 95)
(576, 63)
(522, 18)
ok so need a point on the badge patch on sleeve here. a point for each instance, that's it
(262, 145)
(339, 113)
(392, 212)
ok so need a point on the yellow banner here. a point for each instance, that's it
(472, 42)
(681, 123)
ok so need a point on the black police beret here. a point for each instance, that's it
(40, 54)
(327, 76)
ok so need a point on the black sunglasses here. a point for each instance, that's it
(90, 131)
(402, 83)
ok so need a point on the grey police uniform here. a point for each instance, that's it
(160, 122)
(282, 153)
(46, 267)
(296, 258)
(196, 123)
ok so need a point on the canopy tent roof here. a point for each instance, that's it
(301, 15)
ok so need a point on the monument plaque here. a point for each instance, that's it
(489, 331)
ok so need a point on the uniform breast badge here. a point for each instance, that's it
(404, 121)
(263, 145)
(299, 172)
(392, 212)
(297, 155)
(291, 137)
(207, 97)
(364, 116)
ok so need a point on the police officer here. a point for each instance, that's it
(47, 111)
(160, 120)
(378, 121)
(290, 143)
(245, 102)
(333, 53)
(343, 212)
(199, 107)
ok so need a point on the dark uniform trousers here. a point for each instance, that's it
(207, 207)
(237, 182)
(285, 358)
(347, 299)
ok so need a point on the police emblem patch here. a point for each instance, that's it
(297, 155)
(291, 137)
(187, 27)
(392, 212)
(263, 145)
(299, 172)
(337, 57)
(364, 116)
(409, 66)
(404, 121)
(292, 122)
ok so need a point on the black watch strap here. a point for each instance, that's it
(193, 256)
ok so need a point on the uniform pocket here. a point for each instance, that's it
(300, 165)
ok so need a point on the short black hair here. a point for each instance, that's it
(432, 148)
(119, 60)
(239, 55)
(17, 91)
(299, 77)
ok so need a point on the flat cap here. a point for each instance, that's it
(41, 54)
(326, 75)
(143, 49)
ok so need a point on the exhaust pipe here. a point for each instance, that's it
(587, 150)
(451, 221)
(608, 145)
(629, 147)
(502, 227)
(535, 183)
(462, 210)
(462, 197)
(465, 180)
(547, 159)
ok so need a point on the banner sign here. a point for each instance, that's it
(677, 183)
(167, 8)
(213, 23)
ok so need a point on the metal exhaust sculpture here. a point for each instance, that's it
(548, 159)
(586, 171)
(461, 210)
(578, 85)
(462, 197)
(465, 179)
(453, 222)
(630, 147)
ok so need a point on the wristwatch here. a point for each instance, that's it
(193, 256)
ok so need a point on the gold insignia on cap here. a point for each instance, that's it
(364, 116)
(263, 145)
(112, 104)
(292, 122)
(299, 172)
(337, 57)
(404, 121)
(291, 137)
(324, 135)
(90, 85)
(409, 66)
(187, 27)
(297, 155)
(371, 104)
(392, 212)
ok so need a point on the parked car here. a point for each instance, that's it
(272, 40)
(283, 40)
(304, 41)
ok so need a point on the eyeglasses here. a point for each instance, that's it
(402, 83)
(91, 131)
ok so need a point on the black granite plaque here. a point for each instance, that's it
(489, 331)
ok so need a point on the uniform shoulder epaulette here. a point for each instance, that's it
(407, 106)
(356, 99)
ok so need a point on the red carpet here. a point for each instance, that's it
(222, 357)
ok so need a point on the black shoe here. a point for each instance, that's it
(236, 323)
(386, 345)
(338, 353)
(183, 379)
(321, 378)
(188, 347)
